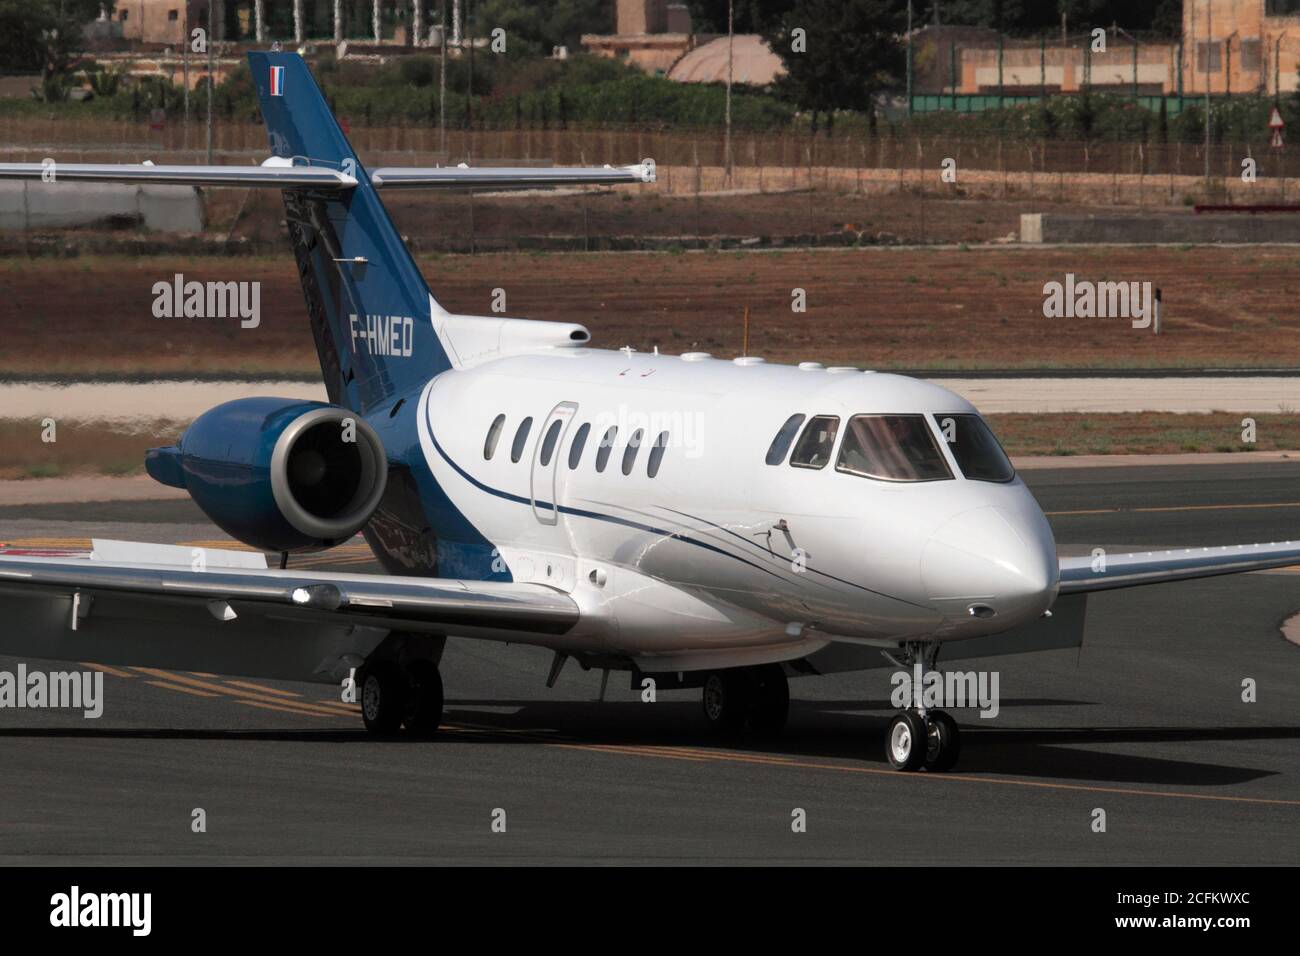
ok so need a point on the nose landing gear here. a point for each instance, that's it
(930, 740)
(918, 737)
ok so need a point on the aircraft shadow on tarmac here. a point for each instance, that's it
(819, 730)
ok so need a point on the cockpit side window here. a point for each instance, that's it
(816, 443)
(781, 443)
(892, 448)
(974, 447)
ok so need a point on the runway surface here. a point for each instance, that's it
(1146, 722)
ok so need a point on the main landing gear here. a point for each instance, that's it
(394, 696)
(918, 737)
(753, 697)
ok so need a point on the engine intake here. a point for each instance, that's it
(279, 474)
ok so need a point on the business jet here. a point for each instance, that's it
(693, 521)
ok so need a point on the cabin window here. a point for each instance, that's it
(579, 443)
(606, 445)
(630, 452)
(493, 436)
(548, 442)
(816, 442)
(521, 438)
(891, 448)
(781, 443)
(657, 455)
(974, 447)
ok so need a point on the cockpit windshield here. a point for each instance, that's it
(977, 452)
(892, 448)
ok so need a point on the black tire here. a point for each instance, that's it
(905, 741)
(770, 700)
(726, 701)
(424, 709)
(943, 745)
(384, 698)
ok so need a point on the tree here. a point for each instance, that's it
(848, 51)
(533, 27)
(44, 36)
(750, 16)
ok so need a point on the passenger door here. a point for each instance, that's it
(544, 487)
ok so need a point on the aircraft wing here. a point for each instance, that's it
(278, 173)
(1083, 574)
(274, 175)
(497, 177)
(292, 624)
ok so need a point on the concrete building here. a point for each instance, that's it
(264, 21)
(657, 37)
(158, 21)
(752, 61)
(1241, 45)
(1233, 46)
(650, 34)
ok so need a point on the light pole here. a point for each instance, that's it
(442, 83)
(909, 57)
(730, 41)
(185, 70)
(210, 38)
(1209, 51)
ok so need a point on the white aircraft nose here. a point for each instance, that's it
(978, 565)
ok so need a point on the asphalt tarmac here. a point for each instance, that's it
(1146, 723)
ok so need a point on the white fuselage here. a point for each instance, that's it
(720, 557)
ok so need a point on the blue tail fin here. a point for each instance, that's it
(369, 306)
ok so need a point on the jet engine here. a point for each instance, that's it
(278, 474)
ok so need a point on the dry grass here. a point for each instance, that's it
(880, 308)
(1141, 433)
(79, 447)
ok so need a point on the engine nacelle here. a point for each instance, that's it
(279, 474)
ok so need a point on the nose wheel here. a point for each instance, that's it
(915, 740)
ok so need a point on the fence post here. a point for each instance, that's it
(952, 66)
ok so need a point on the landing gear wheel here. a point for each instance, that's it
(905, 741)
(770, 702)
(424, 708)
(943, 742)
(726, 701)
(384, 696)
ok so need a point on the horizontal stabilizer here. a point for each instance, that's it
(509, 177)
(272, 175)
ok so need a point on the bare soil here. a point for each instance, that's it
(876, 308)
(438, 222)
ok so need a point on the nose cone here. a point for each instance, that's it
(981, 558)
